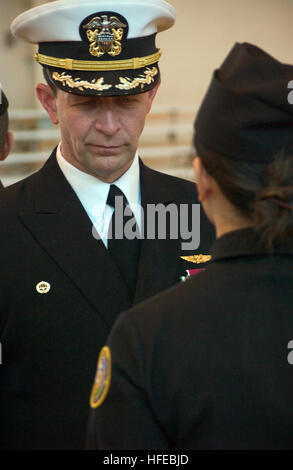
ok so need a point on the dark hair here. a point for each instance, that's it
(3, 128)
(48, 78)
(263, 192)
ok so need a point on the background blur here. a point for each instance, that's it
(204, 33)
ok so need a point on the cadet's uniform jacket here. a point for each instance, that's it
(207, 364)
(50, 341)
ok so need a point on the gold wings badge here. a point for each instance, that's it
(197, 259)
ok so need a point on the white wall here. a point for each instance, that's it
(204, 33)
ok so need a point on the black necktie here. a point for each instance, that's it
(124, 251)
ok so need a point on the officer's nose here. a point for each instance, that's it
(108, 121)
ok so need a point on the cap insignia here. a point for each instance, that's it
(104, 35)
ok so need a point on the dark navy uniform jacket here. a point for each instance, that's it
(206, 364)
(50, 342)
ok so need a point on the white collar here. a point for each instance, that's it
(91, 190)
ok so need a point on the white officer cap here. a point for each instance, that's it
(98, 47)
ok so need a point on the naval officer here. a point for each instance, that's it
(63, 279)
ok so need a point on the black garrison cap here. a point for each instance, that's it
(246, 113)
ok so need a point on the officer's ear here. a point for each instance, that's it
(48, 100)
(9, 140)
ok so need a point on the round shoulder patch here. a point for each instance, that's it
(102, 378)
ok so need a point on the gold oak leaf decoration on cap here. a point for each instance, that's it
(105, 35)
(142, 80)
(81, 84)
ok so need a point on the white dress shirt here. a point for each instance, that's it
(93, 193)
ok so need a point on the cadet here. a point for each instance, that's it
(208, 363)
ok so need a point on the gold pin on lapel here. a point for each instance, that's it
(43, 287)
(197, 259)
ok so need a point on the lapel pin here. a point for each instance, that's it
(43, 287)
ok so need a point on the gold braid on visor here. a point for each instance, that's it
(91, 65)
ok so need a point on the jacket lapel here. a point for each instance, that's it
(159, 259)
(63, 229)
